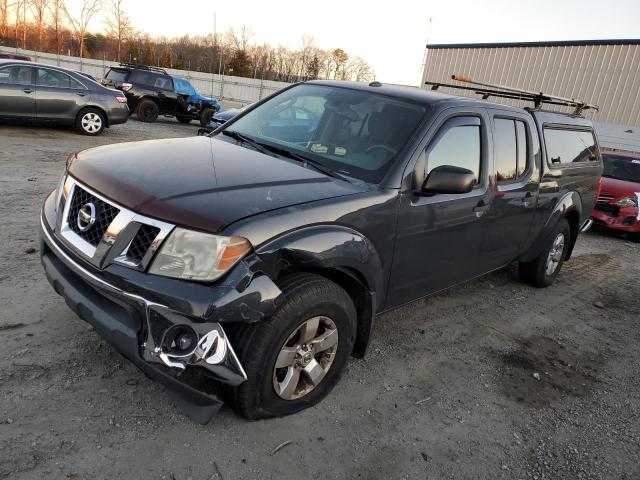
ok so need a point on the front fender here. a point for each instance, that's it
(332, 249)
(568, 203)
(324, 246)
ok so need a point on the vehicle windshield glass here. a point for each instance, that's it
(352, 132)
(621, 168)
(118, 76)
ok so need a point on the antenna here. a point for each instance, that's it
(504, 91)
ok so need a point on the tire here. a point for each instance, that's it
(634, 236)
(543, 271)
(90, 121)
(206, 115)
(258, 346)
(184, 119)
(147, 111)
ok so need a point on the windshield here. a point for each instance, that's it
(621, 168)
(355, 133)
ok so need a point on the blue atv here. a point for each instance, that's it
(192, 105)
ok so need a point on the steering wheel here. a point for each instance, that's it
(381, 147)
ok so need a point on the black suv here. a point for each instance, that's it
(151, 91)
(258, 259)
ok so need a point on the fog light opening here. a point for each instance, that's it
(179, 341)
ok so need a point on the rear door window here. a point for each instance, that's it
(152, 80)
(510, 149)
(54, 78)
(566, 146)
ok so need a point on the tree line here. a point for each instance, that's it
(52, 26)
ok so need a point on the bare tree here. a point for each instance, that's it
(4, 17)
(56, 7)
(80, 23)
(239, 40)
(118, 25)
(20, 7)
(39, 11)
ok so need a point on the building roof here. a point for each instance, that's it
(559, 43)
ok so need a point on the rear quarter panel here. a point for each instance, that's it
(564, 187)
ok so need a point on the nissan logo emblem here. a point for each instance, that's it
(86, 216)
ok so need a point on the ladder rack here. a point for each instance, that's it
(486, 90)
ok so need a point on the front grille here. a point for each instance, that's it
(105, 213)
(604, 199)
(141, 242)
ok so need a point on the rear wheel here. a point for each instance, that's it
(543, 271)
(147, 111)
(295, 358)
(206, 115)
(90, 121)
(184, 119)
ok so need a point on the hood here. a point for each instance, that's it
(619, 188)
(200, 182)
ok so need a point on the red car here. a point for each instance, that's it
(617, 204)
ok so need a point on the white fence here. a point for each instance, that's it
(234, 89)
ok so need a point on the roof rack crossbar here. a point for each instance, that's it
(503, 91)
(143, 67)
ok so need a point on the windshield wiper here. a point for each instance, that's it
(244, 139)
(270, 149)
(285, 152)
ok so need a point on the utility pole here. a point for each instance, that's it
(215, 49)
(426, 48)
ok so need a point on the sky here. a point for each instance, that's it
(391, 36)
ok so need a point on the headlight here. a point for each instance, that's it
(203, 257)
(63, 187)
(627, 202)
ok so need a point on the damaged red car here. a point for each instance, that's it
(617, 204)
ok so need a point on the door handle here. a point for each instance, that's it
(527, 199)
(81, 94)
(27, 90)
(481, 208)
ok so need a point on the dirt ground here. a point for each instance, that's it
(491, 380)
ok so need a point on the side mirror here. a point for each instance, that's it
(449, 179)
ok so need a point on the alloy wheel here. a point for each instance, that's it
(305, 358)
(555, 254)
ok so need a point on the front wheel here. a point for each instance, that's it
(295, 358)
(206, 115)
(543, 271)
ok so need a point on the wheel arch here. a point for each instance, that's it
(568, 207)
(339, 254)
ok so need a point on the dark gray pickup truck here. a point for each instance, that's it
(249, 265)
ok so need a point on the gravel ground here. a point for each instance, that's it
(491, 380)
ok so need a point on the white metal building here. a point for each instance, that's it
(601, 72)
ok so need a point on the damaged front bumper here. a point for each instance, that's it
(180, 342)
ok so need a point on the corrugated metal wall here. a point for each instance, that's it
(605, 75)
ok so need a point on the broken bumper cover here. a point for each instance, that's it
(145, 331)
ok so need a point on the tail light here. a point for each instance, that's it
(121, 99)
(126, 87)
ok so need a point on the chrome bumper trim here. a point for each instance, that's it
(214, 348)
(586, 225)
